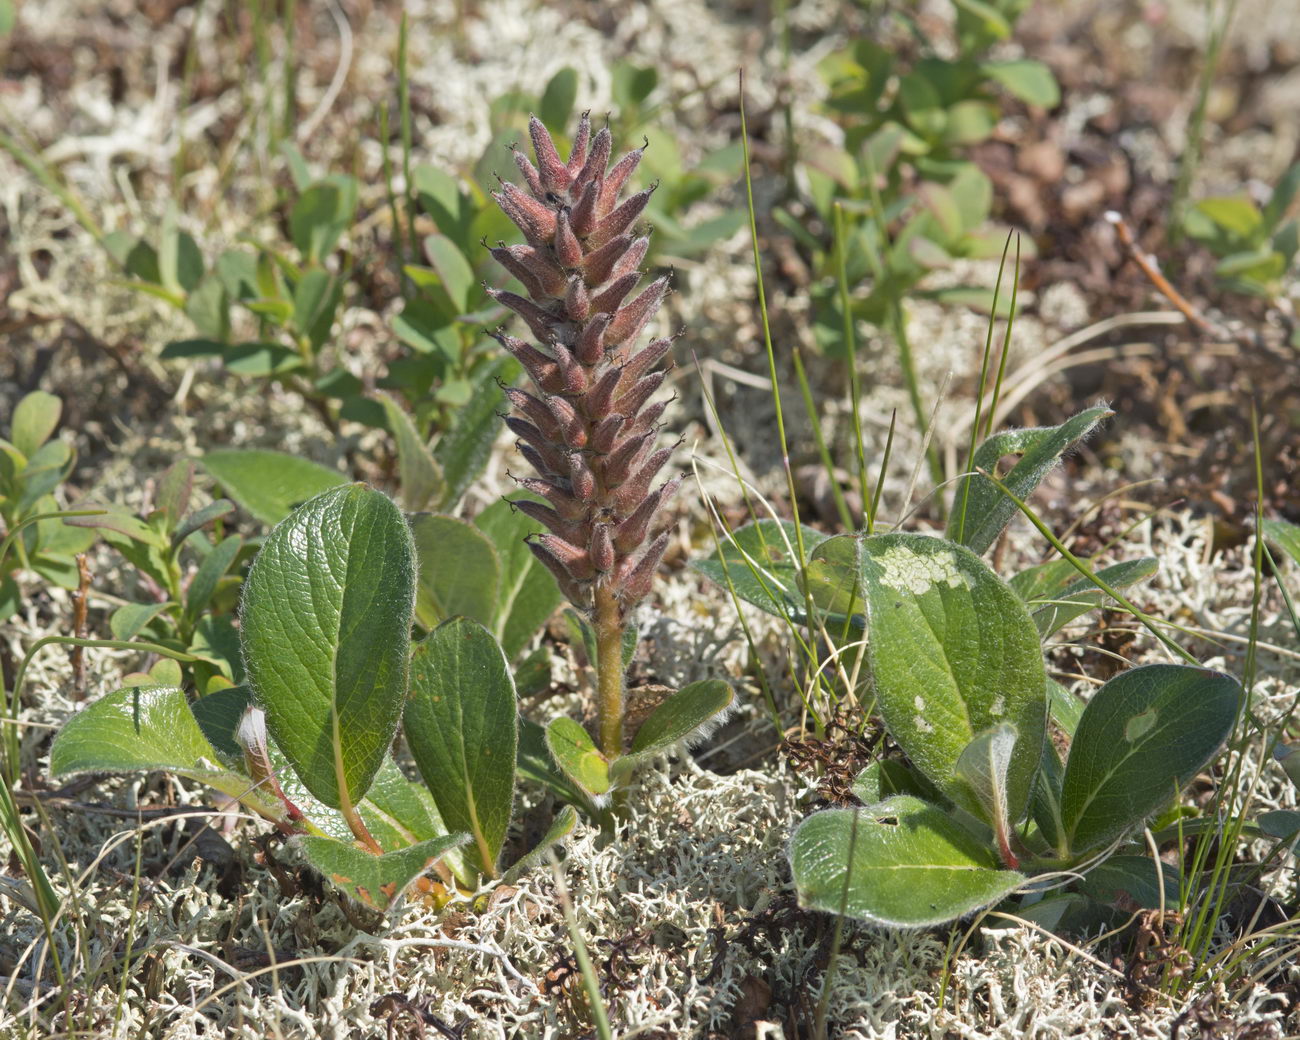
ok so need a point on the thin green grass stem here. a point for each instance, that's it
(851, 361)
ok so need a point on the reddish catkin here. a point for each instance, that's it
(588, 423)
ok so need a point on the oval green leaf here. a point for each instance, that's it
(760, 561)
(325, 630)
(457, 570)
(269, 484)
(34, 420)
(419, 474)
(902, 864)
(1142, 738)
(691, 712)
(104, 738)
(577, 757)
(953, 653)
(462, 726)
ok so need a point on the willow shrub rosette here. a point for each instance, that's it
(589, 425)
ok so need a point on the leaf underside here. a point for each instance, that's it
(902, 863)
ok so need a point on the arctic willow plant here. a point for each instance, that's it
(590, 426)
(983, 805)
(330, 602)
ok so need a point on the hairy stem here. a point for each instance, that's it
(349, 812)
(609, 670)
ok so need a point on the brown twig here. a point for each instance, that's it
(79, 599)
(1151, 268)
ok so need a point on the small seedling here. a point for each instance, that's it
(187, 581)
(1256, 246)
(33, 463)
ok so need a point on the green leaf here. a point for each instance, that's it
(886, 777)
(556, 105)
(980, 510)
(953, 654)
(376, 881)
(218, 716)
(1030, 81)
(901, 864)
(103, 738)
(1283, 195)
(325, 629)
(260, 360)
(213, 568)
(34, 420)
(1055, 593)
(174, 490)
(201, 518)
(527, 594)
(1285, 535)
(192, 348)
(462, 726)
(130, 620)
(313, 220)
(208, 307)
(575, 753)
(457, 570)
(561, 827)
(1236, 214)
(921, 105)
(1143, 737)
(314, 300)
(632, 84)
(400, 812)
(1134, 877)
(464, 450)
(422, 486)
(685, 714)
(983, 767)
(454, 271)
(1282, 824)
(237, 269)
(760, 559)
(268, 484)
(1064, 707)
(536, 764)
(46, 469)
(180, 264)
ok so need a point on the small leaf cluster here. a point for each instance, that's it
(33, 463)
(1255, 245)
(187, 570)
(983, 803)
(911, 203)
(286, 295)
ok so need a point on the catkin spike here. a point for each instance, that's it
(589, 427)
(598, 161)
(554, 174)
(619, 220)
